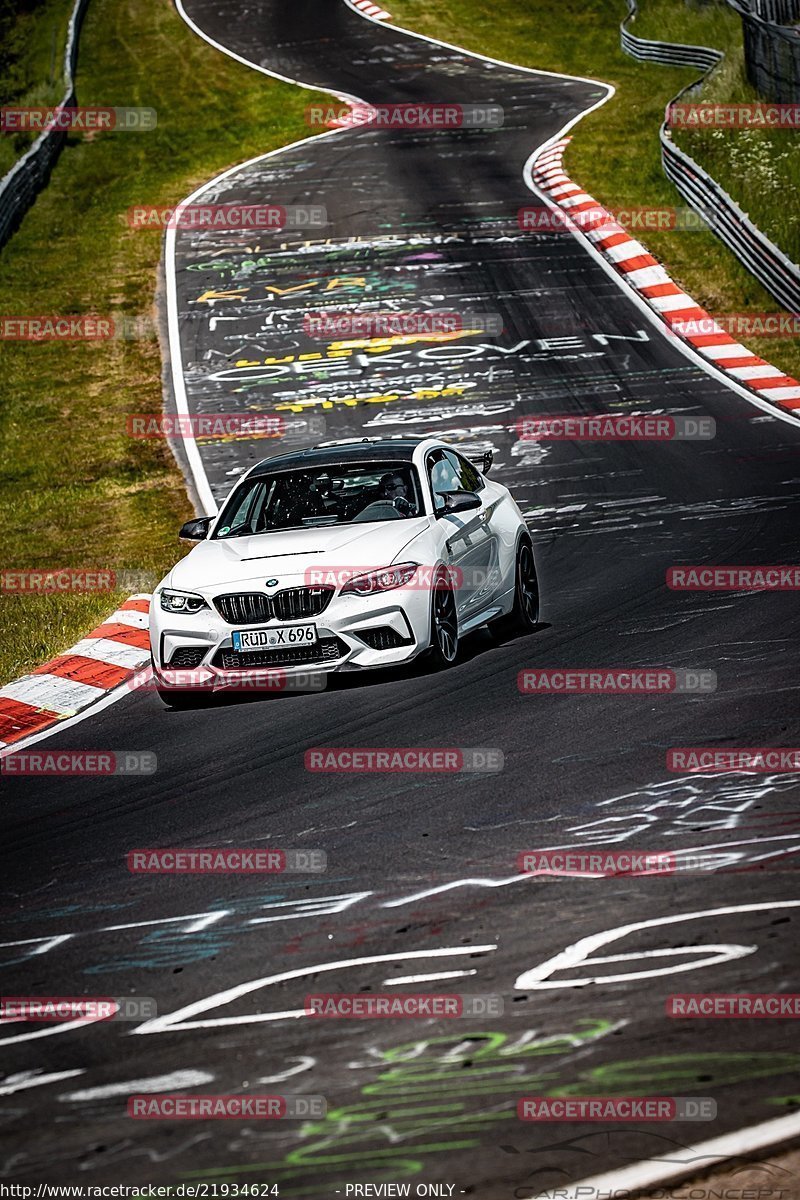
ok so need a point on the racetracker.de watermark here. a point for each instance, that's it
(362, 580)
(389, 324)
(420, 115)
(615, 427)
(58, 327)
(596, 863)
(225, 861)
(734, 579)
(79, 762)
(400, 1005)
(738, 1005)
(76, 327)
(175, 1107)
(764, 324)
(756, 114)
(46, 1009)
(616, 1108)
(207, 681)
(205, 425)
(754, 759)
(244, 217)
(77, 119)
(404, 760)
(607, 681)
(539, 219)
(52, 581)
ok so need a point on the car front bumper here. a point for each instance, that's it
(354, 633)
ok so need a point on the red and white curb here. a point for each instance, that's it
(372, 10)
(86, 673)
(362, 115)
(647, 277)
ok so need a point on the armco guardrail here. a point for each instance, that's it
(771, 267)
(772, 47)
(19, 188)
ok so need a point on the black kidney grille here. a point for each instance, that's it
(244, 608)
(295, 603)
(292, 604)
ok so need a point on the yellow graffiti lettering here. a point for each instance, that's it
(210, 297)
(300, 287)
(347, 281)
(379, 345)
(297, 406)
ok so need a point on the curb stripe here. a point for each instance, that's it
(733, 364)
(106, 650)
(84, 670)
(125, 634)
(18, 720)
(372, 10)
(638, 267)
(136, 604)
(57, 694)
(81, 676)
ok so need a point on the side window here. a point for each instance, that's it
(443, 474)
(468, 474)
(246, 509)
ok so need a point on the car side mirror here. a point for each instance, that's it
(455, 502)
(195, 530)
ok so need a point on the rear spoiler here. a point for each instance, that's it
(483, 461)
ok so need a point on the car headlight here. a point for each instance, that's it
(382, 580)
(181, 602)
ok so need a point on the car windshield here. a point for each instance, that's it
(338, 494)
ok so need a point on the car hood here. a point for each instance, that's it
(286, 555)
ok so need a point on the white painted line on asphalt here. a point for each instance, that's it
(682, 1163)
(176, 1020)
(173, 319)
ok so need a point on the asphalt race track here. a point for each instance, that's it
(422, 875)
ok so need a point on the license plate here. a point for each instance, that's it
(266, 639)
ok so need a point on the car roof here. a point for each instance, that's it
(363, 450)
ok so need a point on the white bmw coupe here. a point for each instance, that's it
(344, 557)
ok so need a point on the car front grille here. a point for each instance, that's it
(244, 608)
(382, 638)
(255, 608)
(187, 656)
(294, 604)
(326, 650)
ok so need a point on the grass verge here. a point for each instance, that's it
(75, 490)
(615, 153)
(759, 168)
(33, 38)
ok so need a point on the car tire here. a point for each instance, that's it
(443, 649)
(524, 616)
